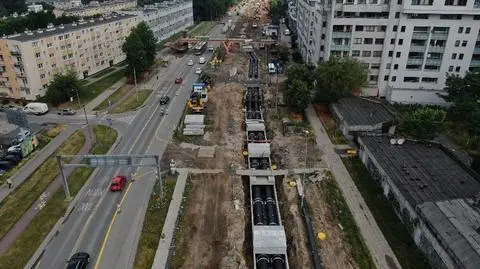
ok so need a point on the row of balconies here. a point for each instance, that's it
(431, 49)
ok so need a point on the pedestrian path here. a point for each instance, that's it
(20, 226)
(382, 254)
(28, 168)
(90, 106)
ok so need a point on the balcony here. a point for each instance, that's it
(475, 63)
(340, 47)
(439, 35)
(415, 61)
(341, 34)
(414, 48)
(420, 35)
(476, 50)
(433, 62)
(436, 49)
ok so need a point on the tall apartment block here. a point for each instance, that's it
(93, 8)
(408, 45)
(166, 18)
(28, 61)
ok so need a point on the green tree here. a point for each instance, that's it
(208, 10)
(62, 88)
(283, 53)
(32, 21)
(8, 7)
(140, 49)
(463, 94)
(276, 11)
(299, 72)
(298, 95)
(338, 77)
(423, 123)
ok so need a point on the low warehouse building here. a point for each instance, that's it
(435, 195)
(356, 116)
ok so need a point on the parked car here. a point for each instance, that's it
(13, 159)
(162, 111)
(79, 260)
(198, 71)
(164, 100)
(201, 60)
(66, 111)
(211, 48)
(190, 62)
(6, 165)
(118, 183)
(178, 80)
(14, 148)
(36, 108)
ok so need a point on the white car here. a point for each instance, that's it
(14, 148)
(198, 71)
(210, 48)
(201, 60)
(190, 62)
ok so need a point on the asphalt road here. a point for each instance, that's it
(87, 228)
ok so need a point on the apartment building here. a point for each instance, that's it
(93, 8)
(166, 18)
(28, 61)
(408, 45)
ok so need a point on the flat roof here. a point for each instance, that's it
(361, 111)
(56, 30)
(269, 239)
(423, 171)
(456, 223)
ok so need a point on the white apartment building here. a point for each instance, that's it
(408, 45)
(94, 8)
(28, 61)
(167, 18)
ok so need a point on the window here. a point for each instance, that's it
(60, 38)
(379, 41)
(368, 41)
(357, 41)
(373, 78)
(324, 24)
(400, 41)
(390, 53)
(42, 75)
(397, 15)
(454, 56)
(450, 17)
(395, 66)
(460, 56)
(429, 80)
(476, 17)
(392, 41)
(40, 65)
(402, 29)
(366, 53)
(37, 55)
(355, 53)
(457, 43)
(375, 66)
(370, 28)
(457, 69)
(399, 54)
(467, 30)
(35, 44)
(413, 66)
(399, 2)
(395, 28)
(62, 47)
(385, 78)
(394, 78)
(382, 28)
(323, 36)
(460, 30)
(450, 68)
(51, 55)
(411, 79)
(359, 28)
(464, 43)
(377, 53)
(388, 66)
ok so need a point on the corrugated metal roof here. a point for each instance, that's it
(359, 111)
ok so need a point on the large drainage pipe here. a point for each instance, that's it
(271, 206)
(278, 262)
(262, 262)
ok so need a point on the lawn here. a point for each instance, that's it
(153, 225)
(89, 91)
(28, 242)
(352, 235)
(131, 103)
(44, 137)
(22, 198)
(203, 28)
(115, 97)
(399, 239)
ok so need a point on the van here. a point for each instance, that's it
(36, 108)
(271, 68)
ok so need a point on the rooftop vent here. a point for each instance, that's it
(400, 141)
(393, 141)
(39, 31)
(61, 26)
(50, 26)
(74, 24)
(92, 20)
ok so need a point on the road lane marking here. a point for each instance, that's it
(109, 230)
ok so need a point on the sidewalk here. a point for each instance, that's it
(33, 164)
(382, 254)
(7, 241)
(90, 106)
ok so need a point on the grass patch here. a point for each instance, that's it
(27, 243)
(203, 28)
(22, 198)
(330, 125)
(102, 73)
(183, 230)
(131, 103)
(153, 225)
(352, 235)
(397, 235)
(114, 98)
(44, 137)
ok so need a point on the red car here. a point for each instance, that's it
(118, 183)
(178, 81)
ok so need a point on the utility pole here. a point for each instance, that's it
(68, 197)
(85, 115)
(135, 81)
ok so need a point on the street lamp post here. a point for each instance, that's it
(306, 156)
(85, 114)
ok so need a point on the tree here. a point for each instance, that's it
(339, 77)
(8, 7)
(299, 72)
(283, 53)
(276, 11)
(32, 21)
(62, 88)
(298, 95)
(140, 49)
(423, 123)
(464, 94)
(209, 10)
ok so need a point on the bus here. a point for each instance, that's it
(200, 48)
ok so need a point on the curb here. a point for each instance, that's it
(33, 261)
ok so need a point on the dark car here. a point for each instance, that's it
(178, 80)
(13, 159)
(164, 100)
(78, 260)
(5, 165)
(66, 111)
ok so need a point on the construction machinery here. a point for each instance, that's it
(198, 97)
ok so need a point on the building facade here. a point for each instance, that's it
(167, 18)
(28, 61)
(408, 45)
(35, 8)
(94, 8)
